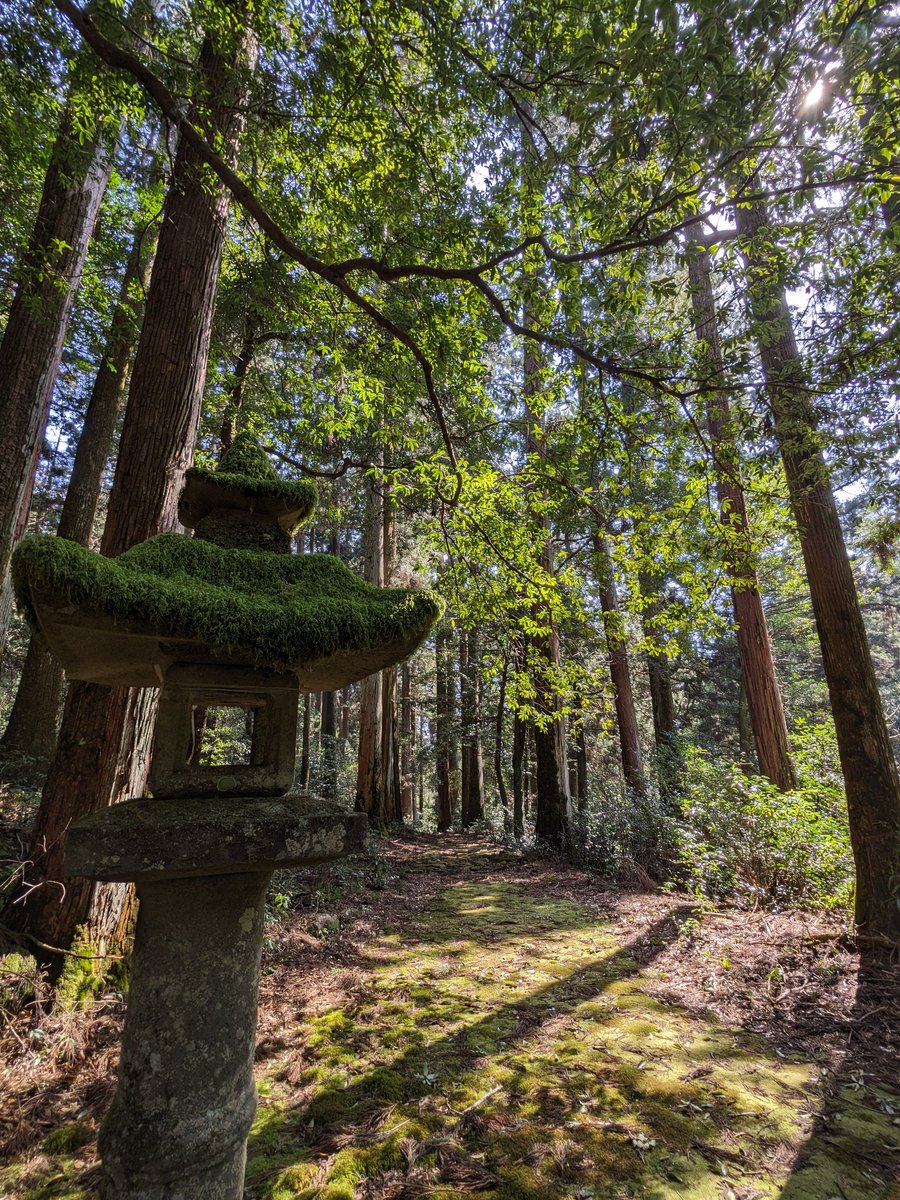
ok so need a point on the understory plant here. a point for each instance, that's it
(740, 837)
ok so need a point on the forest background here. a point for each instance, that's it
(586, 318)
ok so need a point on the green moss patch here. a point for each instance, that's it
(283, 610)
(245, 468)
(536, 1066)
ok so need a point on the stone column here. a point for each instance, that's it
(178, 1126)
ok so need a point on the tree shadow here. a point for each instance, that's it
(853, 1151)
(538, 1079)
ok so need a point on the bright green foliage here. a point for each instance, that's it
(281, 609)
(82, 976)
(742, 837)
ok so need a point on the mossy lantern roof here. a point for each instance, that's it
(124, 621)
(245, 480)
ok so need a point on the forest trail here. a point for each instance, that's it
(487, 1023)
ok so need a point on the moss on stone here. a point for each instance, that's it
(278, 609)
(245, 467)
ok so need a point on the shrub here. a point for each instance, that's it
(740, 837)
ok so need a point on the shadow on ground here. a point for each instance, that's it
(503, 1043)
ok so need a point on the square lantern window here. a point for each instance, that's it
(224, 731)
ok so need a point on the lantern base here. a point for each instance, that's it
(177, 1128)
(178, 1125)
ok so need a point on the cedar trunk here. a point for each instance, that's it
(35, 713)
(619, 671)
(369, 776)
(770, 734)
(472, 781)
(445, 732)
(48, 278)
(553, 801)
(95, 763)
(867, 758)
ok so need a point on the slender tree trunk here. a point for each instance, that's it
(498, 750)
(445, 713)
(518, 776)
(304, 766)
(770, 732)
(620, 673)
(242, 363)
(391, 789)
(35, 712)
(104, 732)
(370, 776)
(867, 758)
(346, 695)
(659, 670)
(581, 766)
(553, 801)
(472, 796)
(329, 772)
(407, 781)
(328, 725)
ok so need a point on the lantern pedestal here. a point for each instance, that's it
(178, 1126)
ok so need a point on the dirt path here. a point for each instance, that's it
(483, 1023)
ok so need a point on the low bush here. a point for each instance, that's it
(738, 836)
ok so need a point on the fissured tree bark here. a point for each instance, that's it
(95, 763)
(770, 733)
(867, 758)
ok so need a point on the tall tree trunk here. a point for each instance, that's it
(95, 762)
(329, 771)
(35, 713)
(498, 750)
(48, 277)
(328, 774)
(659, 669)
(445, 727)
(518, 776)
(407, 724)
(867, 758)
(620, 673)
(472, 789)
(766, 710)
(370, 777)
(552, 801)
(581, 766)
(304, 766)
(390, 720)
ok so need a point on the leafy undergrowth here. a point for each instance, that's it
(486, 1024)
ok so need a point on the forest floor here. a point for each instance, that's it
(455, 1018)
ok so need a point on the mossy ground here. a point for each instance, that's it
(506, 1044)
(503, 1037)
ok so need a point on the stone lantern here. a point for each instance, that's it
(228, 619)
